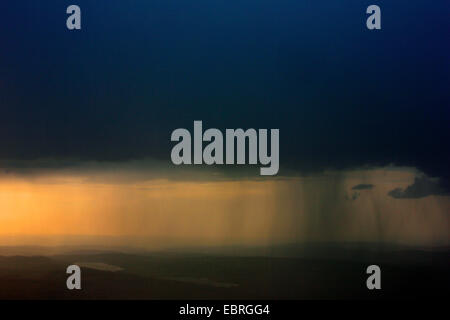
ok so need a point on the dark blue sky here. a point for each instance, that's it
(342, 95)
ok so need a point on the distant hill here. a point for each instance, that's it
(338, 274)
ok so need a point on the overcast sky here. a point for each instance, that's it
(342, 96)
(98, 106)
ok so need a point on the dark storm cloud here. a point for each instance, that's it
(125, 171)
(422, 187)
(363, 186)
(115, 90)
(353, 196)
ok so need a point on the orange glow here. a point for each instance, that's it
(243, 212)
